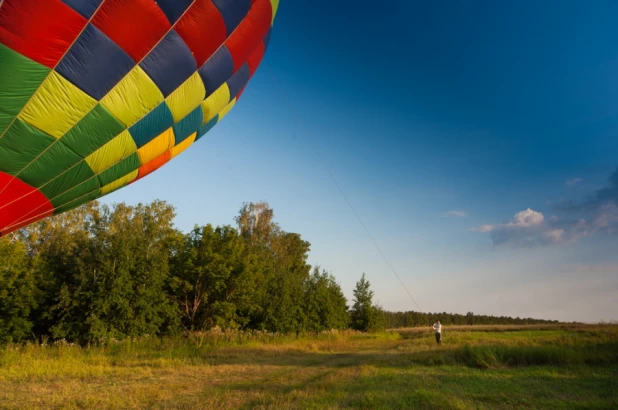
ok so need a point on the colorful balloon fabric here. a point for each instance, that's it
(97, 94)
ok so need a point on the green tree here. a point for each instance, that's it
(17, 292)
(210, 279)
(325, 304)
(256, 223)
(277, 262)
(283, 306)
(58, 255)
(366, 316)
(130, 297)
(104, 272)
(257, 228)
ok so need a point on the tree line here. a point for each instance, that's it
(415, 319)
(101, 272)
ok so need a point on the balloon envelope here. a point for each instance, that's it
(97, 94)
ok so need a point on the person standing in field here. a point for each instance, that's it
(437, 328)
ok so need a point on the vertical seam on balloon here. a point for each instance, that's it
(35, 218)
(98, 102)
(83, 159)
(221, 13)
(52, 70)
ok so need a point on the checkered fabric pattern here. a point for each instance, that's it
(96, 94)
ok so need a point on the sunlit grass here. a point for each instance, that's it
(473, 368)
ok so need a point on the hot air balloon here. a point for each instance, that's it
(97, 94)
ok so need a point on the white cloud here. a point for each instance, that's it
(597, 214)
(530, 228)
(556, 236)
(527, 219)
(460, 214)
(483, 228)
(607, 218)
(574, 181)
(526, 228)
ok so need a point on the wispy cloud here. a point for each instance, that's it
(483, 228)
(596, 214)
(574, 181)
(459, 214)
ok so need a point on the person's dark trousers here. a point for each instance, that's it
(438, 338)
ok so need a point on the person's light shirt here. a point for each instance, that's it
(437, 327)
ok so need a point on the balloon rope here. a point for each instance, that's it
(299, 125)
(22, 221)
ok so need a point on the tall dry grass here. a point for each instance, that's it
(62, 359)
(219, 369)
(513, 346)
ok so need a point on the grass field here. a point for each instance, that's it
(499, 368)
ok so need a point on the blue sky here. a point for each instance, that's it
(475, 139)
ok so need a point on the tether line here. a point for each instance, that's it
(325, 164)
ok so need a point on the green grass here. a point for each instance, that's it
(568, 368)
